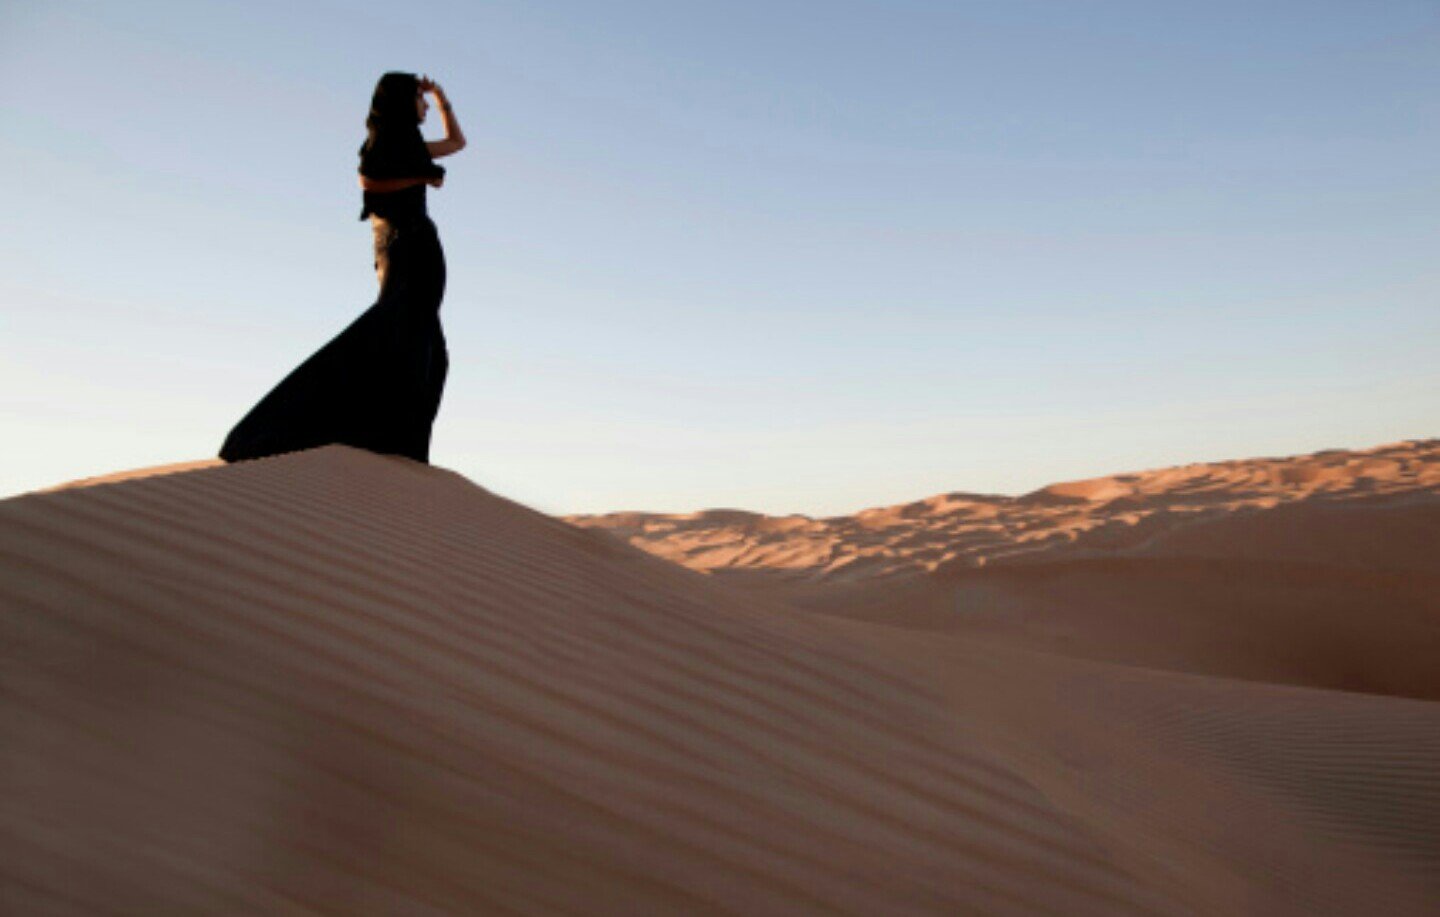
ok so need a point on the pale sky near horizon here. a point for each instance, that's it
(786, 256)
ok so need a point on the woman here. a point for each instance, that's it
(377, 385)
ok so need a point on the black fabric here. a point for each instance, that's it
(377, 385)
(397, 154)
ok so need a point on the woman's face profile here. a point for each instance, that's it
(421, 106)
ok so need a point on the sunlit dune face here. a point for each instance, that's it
(960, 531)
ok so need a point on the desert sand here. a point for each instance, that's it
(333, 682)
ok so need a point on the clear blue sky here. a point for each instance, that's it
(788, 256)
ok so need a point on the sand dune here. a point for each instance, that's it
(1319, 570)
(1078, 518)
(340, 683)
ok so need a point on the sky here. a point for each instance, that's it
(785, 256)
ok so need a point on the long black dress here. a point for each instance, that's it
(376, 385)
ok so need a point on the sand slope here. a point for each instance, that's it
(340, 683)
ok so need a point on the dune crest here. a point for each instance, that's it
(334, 682)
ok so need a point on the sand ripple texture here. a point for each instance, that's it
(339, 683)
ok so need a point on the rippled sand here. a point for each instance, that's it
(339, 683)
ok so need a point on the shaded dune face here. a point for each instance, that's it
(1283, 622)
(333, 682)
(341, 683)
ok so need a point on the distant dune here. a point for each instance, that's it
(1319, 570)
(1119, 514)
(333, 682)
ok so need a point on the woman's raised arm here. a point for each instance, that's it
(454, 140)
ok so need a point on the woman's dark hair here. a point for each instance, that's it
(392, 108)
(393, 145)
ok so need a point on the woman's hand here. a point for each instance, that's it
(454, 140)
(436, 182)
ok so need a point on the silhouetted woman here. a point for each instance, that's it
(376, 385)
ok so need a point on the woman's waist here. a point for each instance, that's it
(392, 226)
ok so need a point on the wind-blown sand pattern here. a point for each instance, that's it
(339, 683)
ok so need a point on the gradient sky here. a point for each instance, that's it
(787, 256)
